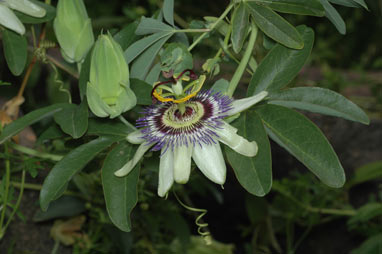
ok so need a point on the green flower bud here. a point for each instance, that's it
(108, 90)
(73, 30)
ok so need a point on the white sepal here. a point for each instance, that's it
(126, 169)
(227, 135)
(135, 137)
(210, 161)
(243, 104)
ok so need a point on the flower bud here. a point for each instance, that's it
(73, 30)
(108, 90)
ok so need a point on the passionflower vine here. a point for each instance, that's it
(183, 129)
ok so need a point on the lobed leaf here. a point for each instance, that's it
(240, 25)
(275, 26)
(300, 7)
(73, 162)
(18, 125)
(15, 51)
(319, 100)
(141, 45)
(300, 137)
(120, 193)
(253, 173)
(168, 11)
(281, 65)
(74, 119)
(334, 16)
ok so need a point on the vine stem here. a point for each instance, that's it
(32, 152)
(123, 120)
(17, 203)
(224, 14)
(5, 196)
(244, 61)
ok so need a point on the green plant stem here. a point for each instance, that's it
(17, 202)
(203, 30)
(38, 187)
(244, 61)
(330, 211)
(32, 152)
(224, 14)
(55, 247)
(123, 120)
(6, 191)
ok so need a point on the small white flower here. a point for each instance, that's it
(9, 20)
(194, 134)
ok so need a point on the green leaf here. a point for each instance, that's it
(319, 100)
(153, 75)
(300, 7)
(275, 26)
(120, 193)
(221, 86)
(65, 206)
(141, 45)
(253, 173)
(142, 90)
(151, 26)
(107, 127)
(176, 57)
(373, 245)
(347, 3)
(168, 11)
(368, 172)
(74, 119)
(15, 51)
(281, 65)
(365, 213)
(142, 64)
(52, 132)
(127, 35)
(361, 3)
(15, 127)
(73, 162)
(240, 25)
(334, 16)
(300, 137)
(50, 14)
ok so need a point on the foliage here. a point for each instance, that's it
(147, 62)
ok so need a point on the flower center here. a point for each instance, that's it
(174, 117)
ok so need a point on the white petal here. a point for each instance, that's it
(227, 135)
(210, 161)
(10, 20)
(166, 172)
(182, 163)
(142, 149)
(135, 137)
(243, 104)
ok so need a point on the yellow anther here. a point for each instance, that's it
(196, 86)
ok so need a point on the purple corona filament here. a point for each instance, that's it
(165, 127)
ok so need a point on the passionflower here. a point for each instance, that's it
(190, 129)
